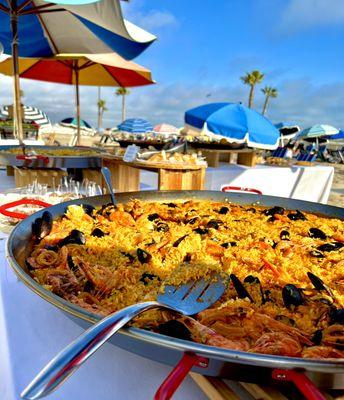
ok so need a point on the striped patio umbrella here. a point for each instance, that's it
(135, 125)
(82, 69)
(317, 131)
(337, 136)
(38, 28)
(31, 114)
(166, 128)
(288, 130)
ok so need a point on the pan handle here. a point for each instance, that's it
(29, 159)
(178, 374)
(301, 381)
(240, 189)
(4, 207)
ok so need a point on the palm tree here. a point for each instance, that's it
(101, 108)
(122, 91)
(268, 92)
(252, 79)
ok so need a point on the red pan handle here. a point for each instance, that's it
(177, 375)
(4, 207)
(240, 189)
(27, 158)
(301, 381)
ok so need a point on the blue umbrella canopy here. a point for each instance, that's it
(89, 28)
(135, 125)
(73, 122)
(337, 136)
(235, 122)
(317, 131)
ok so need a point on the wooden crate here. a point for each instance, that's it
(124, 177)
(181, 180)
(248, 159)
(93, 174)
(48, 176)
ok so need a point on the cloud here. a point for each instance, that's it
(301, 15)
(299, 100)
(151, 20)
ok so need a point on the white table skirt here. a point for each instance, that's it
(303, 183)
(32, 331)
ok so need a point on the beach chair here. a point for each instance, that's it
(279, 152)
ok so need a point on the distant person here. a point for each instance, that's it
(290, 151)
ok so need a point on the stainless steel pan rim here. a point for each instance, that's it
(24, 228)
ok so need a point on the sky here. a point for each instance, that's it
(202, 50)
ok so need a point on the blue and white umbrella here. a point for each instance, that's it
(288, 130)
(317, 131)
(73, 122)
(337, 136)
(136, 125)
(235, 122)
(31, 114)
(88, 29)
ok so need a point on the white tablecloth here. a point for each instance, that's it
(32, 331)
(303, 183)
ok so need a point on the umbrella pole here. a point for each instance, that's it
(77, 99)
(18, 127)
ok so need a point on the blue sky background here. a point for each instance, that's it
(204, 47)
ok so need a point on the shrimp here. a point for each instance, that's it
(322, 352)
(277, 343)
(122, 218)
(334, 336)
(202, 334)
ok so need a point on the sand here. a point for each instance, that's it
(337, 191)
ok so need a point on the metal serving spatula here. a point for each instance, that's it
(187, 299)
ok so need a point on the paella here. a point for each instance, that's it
(284, 270)
(64, 152)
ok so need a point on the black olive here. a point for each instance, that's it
(229, 244)
(174, 328)
(75, 237)
(271, 219)
(191, 221)
(130, 257)
(297, 216)
(201, 231)
(336, 316)
(252, 210)
(162, 227)
(143, 256)
(286, 320)
(187, 257)
(152, 217)
(317, 337)
(274, 210)
(251, 279)
(106, 209)
(285, 235)
(317, 234)
(88, 209)
(292, 295)
(36, 228)
(240, 288)
(316, 253)
(89, 286)
(178, 241)
(71, 264)
(97, 233)
(147, 277)
(214, 223)
(330, 246)
(223, 210)
(171, 205)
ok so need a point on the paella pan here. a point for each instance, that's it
(220, 361)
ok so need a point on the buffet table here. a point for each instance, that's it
(297, 182)
(126, 175)
(32, 331)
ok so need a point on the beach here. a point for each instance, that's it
(337, 192)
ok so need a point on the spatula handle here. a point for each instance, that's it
(75, 354)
